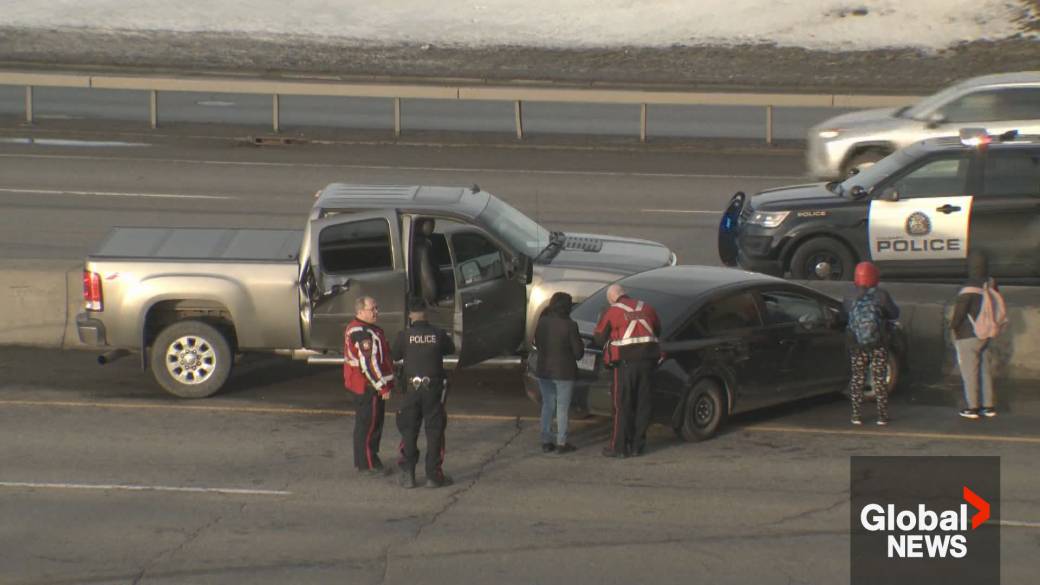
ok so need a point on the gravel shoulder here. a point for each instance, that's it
(749, 67)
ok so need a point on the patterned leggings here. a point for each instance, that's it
(878, 360)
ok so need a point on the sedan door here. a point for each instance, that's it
(810, 347)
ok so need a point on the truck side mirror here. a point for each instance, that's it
(934, 120)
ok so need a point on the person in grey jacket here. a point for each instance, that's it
(972, 354)
(559, 349)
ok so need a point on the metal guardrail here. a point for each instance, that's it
(518, 94)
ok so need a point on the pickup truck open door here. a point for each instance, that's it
(349, 256)
(491, 297)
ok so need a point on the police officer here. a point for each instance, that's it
(423, 347)
(628, 332)
(368, 373)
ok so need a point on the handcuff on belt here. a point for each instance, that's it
(420, 382)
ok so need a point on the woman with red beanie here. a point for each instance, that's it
(868, 309)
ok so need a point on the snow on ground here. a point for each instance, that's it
(815, 24)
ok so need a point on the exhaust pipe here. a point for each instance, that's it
(111, 356)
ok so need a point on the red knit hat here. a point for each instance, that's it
(867, 275)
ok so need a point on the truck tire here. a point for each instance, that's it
(813, 252)
(862, 160)
(191, 359)
(703, 412)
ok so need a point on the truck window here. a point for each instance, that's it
(361, 246)
(478, 259)
(1011, 173)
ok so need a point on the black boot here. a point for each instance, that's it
(407, 478)
(436, 482)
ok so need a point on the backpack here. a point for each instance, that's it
(992, 317)
(865, 319)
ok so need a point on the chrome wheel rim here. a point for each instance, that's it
(191, 360)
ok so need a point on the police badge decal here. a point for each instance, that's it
(918, 224)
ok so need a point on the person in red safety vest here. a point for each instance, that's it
(368, 372)
(628, 333)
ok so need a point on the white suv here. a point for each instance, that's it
(998, 103)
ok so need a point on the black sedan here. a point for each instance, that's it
(734, 341)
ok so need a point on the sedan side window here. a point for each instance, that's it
(784, 307)
(478, 259)
(728, 314)
(939, 177)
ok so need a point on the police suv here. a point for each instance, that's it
(916, 213)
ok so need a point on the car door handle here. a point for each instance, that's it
(473, 303)
(948, 208)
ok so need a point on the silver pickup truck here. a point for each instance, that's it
(188, 300)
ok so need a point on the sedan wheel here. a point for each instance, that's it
(703, 411)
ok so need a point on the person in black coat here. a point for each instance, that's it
(559, 349)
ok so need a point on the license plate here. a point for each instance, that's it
(587, 361)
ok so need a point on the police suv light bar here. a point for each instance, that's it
(975, 136)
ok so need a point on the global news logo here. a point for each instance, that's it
(923, 532)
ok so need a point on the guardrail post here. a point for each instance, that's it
(28, 104)
(274, 113)
(642, 123)
(769, 124)
(519, 120)
(153, 108)
(397, 117)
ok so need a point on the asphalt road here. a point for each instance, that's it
(61, 194)
(106, 480)
(302, 112)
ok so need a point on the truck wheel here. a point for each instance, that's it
(822, 258)
(191, 359)
(862, 161)
(703, 411)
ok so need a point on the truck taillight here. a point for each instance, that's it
(92, 291)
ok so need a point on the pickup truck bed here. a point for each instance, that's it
(201, 244)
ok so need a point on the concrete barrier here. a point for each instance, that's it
(926, 313)
(39, 300)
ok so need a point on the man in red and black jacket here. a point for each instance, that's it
(367, 372)
(628, 332)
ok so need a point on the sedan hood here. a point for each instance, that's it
(796, 197)
(611, 253)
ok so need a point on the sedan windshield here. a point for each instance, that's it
(519, 231)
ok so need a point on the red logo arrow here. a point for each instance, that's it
(981, 505)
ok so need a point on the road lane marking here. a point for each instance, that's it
(111, 194)
(243, 409)
(716, 212)
(408, 168)
(142, 488)
(1018, 524)
(901, 434)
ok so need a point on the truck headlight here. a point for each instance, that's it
(829, 133)
(768, 219)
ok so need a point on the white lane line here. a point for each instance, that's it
(1020, 524)
(142, 488)
(679, 211)
(112, 194)
(410, 168)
